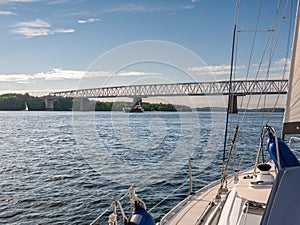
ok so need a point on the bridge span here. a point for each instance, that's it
(239, 88)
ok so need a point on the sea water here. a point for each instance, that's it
(68, 167)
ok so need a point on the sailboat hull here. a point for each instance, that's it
(203, 208)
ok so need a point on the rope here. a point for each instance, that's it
(134, 199)
(246, 214)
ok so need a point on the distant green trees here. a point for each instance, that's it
(63, 104)
(103, 106)
(17, 102)
(118, 106)
(165, 107)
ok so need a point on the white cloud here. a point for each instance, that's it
(136, 73)
(63, 31)
(31, 32)
(276, 70)
(17, 1)
(135, 8)
(61, 74)
(7, 13)
(15, 78)
(126, 8)
(36, 28)
(216, 70)
(35, 23)
(53, 2)
(188, 7)
(90, 20)
(282, 62)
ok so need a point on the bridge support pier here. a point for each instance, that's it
(84, 104)
(81, 104)
(232, 104)
(49, 104)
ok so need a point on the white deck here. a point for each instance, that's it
(192, 209)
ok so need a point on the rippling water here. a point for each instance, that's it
(65, 168)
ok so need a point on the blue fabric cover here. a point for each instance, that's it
(141, 217)
(283, 207)
(287, 157)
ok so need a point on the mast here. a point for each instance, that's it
(224, 169)
(291, 120)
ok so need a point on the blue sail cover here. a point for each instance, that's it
(141, 217)
(287, 157)
(283, 207)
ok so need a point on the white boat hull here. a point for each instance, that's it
(203, 208)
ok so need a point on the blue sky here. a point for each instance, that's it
(49, 45)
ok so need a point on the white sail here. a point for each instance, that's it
(291, 121)
(26, 107)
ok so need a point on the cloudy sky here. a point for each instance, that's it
(53, 45)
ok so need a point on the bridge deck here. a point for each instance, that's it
(239, 87)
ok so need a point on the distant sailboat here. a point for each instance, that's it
(26, 107)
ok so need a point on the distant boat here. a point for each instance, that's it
(135, 109)
(26, 107)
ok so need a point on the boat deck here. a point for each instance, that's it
(195, 207)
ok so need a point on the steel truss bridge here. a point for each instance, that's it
(239, 88)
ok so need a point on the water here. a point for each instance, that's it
(65, 168)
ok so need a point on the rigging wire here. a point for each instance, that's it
(272, 51)
(268, 73)
(237, 40)
(252, 49)
(263, 54)
(258, 71)
(237, 129)
(288, 44)
(171, 194)
(247, 71)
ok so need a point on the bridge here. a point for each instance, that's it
(137, 92)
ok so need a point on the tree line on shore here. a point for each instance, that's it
(16, 102)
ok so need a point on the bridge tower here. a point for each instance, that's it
(49, 103)
(81, 104)
(232, 104)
